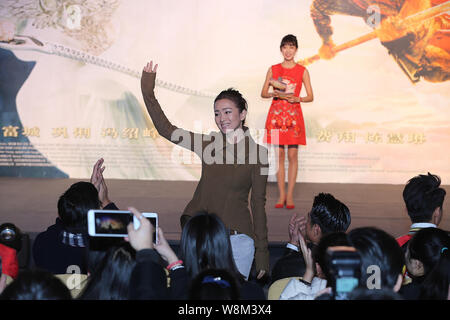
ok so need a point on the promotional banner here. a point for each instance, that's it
(70, 84)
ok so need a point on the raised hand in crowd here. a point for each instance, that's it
(297, 226)
(98, 181)
(164, 249)
(141, 238)
(307, 255)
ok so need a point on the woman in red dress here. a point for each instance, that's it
(284, 124)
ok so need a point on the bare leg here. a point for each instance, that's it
(281, 175)
(292, 173)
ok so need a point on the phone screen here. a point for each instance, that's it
(112, 223)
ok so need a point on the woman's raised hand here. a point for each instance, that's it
(149, 67)
(164, 249)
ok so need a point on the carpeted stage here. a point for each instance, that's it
(31, 203)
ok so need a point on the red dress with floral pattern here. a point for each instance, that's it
(285, 124)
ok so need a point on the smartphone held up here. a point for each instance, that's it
(113, 223)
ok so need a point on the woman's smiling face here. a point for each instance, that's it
(288, 51)
(227, 115)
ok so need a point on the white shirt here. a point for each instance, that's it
(421, 225)
(297, 290)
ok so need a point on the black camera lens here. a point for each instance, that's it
(8, 234)
(11, 236)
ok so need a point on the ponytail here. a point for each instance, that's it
(436, 283)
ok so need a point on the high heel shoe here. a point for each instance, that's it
(290, 206)
(280, 205)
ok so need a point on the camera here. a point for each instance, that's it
(11, 236)
(344, 265)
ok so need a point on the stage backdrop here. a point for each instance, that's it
(70, 88)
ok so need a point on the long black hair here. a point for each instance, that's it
(36, 285)
(205, 243)
(111, 278)
(431, 247)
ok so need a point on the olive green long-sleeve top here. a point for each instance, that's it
(230, 172)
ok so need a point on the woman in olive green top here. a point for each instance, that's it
(233, 166)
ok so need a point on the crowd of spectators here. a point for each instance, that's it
(322, 260)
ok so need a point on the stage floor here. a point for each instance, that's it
(31, 203)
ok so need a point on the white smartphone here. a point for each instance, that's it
(113, 223)
(153, 218)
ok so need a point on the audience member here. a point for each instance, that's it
(380, 251)
(317, 275)
(36, 285)
(10, 264)
(428, 264)
(64, 243)
(110, 279)
(326, 216)
(148, 279)
(206, 269)
(214, 284)
(424, 200)
(205, 244)
(3, 278)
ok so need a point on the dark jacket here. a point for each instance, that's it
(51, 254)
(224, 187)
(412, 290)
(149, 281)
(291, 264)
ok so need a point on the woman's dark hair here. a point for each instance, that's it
(330, 214)
(110, 279)
(376, 247)
(234, 96)
(36, 285)
(214, 284)
(422, 195)
(319, 251)
(205, 244)
(98, 248)
(289, 39)
(428, 246)
(74, 204)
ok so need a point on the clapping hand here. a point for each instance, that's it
(307, 256)
(297, 226)
(97, 174)
(98, 181)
